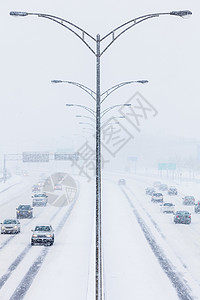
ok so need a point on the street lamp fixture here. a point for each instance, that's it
(56, 81)
(182, 13)
(18, 14)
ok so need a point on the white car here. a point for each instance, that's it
(167, 207)
(10, 226)
(43, 234)
(157, 197)
(39, 199)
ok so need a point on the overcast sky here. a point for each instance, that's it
(34, 51)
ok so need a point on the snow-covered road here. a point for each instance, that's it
(145, 255)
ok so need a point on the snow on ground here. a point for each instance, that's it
(131, 269)
(66, 271)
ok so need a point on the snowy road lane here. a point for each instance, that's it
(17, 256)
(131, 270)
(68, 270)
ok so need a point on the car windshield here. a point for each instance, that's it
(157, 194)
(168, 204)
(189, 197)
(182, 213)
(24, 207)
(42, 228)
(39, 195)
(10, 222)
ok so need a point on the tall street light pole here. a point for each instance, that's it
(114, 35)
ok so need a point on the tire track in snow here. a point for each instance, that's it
(15, 235)
(19, 258)
(26, 282)
(181, 287)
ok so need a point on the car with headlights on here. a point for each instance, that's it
(183, 217)
(24, 211)
(43, 234)
(122, 181)
(35, 188)
(39, 199)
(167, 207)
(57, 187)
(10, 226)
(157, 197)
(188, 200)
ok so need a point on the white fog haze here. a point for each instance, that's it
(156, 139)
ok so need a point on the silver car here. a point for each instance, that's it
(39, 199)
(10, 226)
(167, 207)
(43, 234)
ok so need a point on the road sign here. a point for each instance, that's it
(132, 158)
(166, 166)
(66, 156)
(171, 166)
(35, 157)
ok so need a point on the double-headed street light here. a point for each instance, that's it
(95, 48)
(106, 93)
(91, 111)
(93, 120)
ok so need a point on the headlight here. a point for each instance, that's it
(29, 211)
(2, 227)
(34, 235)
(49, 235)
(15, 227)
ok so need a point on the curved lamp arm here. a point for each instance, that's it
(105, 94)
(81, 86)
(90, 118)
(105, 111)
(118, 31)
(80, 34)
(85, 123)
(84, 107)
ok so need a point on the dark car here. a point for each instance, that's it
(172, 191)
(163, 187)
(43, 234)
(121, 182)
(183, 217)
(197, 208)
(188, 200)
(149, 191)
(24, 211)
